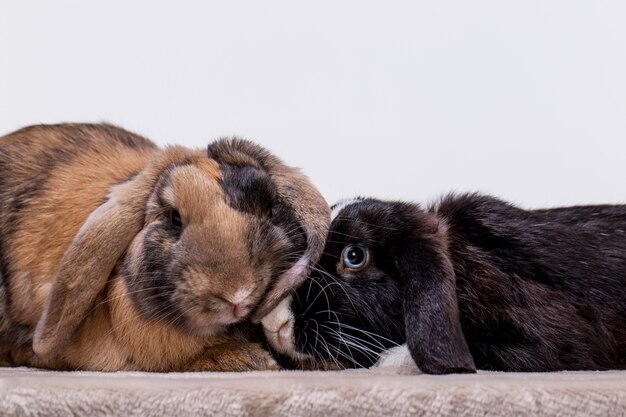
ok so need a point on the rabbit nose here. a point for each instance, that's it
(238, 304)
(239, 310)
(239, 307)
(284, 332)
(278, 332)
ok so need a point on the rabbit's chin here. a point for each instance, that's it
(205, 330)
(208, 324)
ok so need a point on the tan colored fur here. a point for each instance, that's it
(306, 202)
(75, 196)
(72, 231)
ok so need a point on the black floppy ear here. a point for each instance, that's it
(433, 329)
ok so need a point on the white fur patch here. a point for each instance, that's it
(397, 357)
(340, 205)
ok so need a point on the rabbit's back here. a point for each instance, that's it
(90, 155)
(542, 289)
(52, 177)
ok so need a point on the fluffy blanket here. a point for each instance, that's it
(374, 392)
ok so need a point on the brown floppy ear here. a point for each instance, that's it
(433, 329)
(313, 213)
(88, 262)
(310, 210)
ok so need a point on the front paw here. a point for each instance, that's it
(235, 357)
(255, 359)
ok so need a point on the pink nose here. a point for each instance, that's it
(238, 310)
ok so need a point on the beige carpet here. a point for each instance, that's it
(375, 392)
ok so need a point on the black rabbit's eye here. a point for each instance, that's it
(174, 217)
(355, 257)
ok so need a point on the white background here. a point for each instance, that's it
(407, 100)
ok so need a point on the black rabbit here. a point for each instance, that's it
(470, 283)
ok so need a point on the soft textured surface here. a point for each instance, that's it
(376, 392)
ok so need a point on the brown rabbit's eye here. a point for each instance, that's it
(175, 219)
(355, 257)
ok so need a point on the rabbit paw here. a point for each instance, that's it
(235, 357)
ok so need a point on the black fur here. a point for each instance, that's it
(472, 282)
(157, 281)
(248, 189)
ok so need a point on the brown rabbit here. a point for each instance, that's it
(118, 255)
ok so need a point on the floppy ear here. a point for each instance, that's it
(313, 213)
(88, 262)
(293, 189)
(433, 329)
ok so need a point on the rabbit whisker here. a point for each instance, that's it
(371, 334)
(337, 336)
(323, 291)
(339, 284)
(327, 346)
(362, 343)
(349, 340)
(336, 349)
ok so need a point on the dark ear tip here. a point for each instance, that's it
(463, 365)
(257, 316)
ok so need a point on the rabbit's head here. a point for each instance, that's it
(198, 238)
(384, 279)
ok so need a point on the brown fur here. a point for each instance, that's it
(306, 203)
(81, 209)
